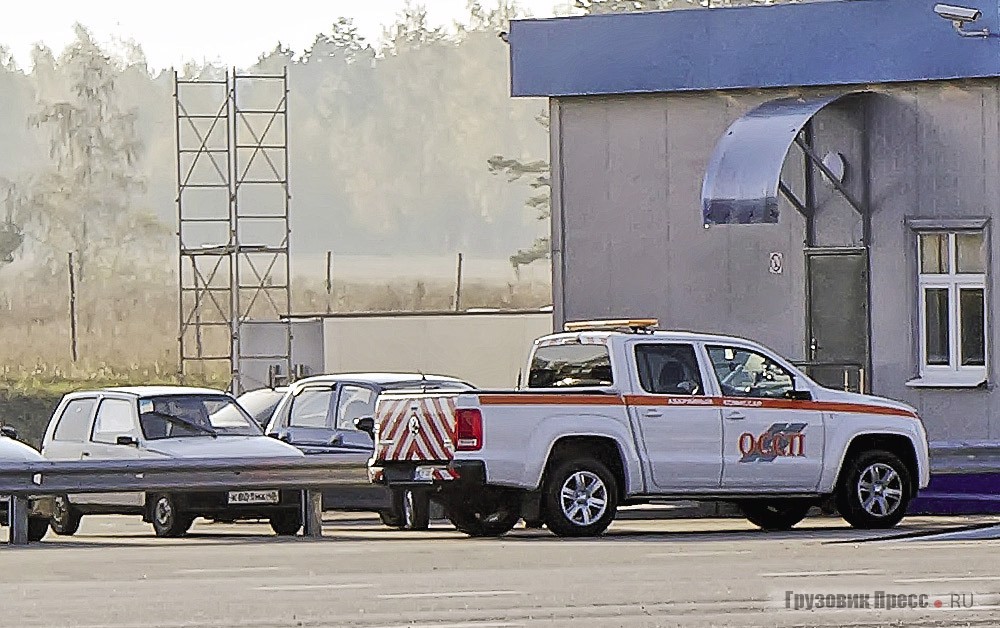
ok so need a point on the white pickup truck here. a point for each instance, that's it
(615, 413)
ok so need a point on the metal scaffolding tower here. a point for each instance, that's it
(233, 222)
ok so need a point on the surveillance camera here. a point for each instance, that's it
(957, 14)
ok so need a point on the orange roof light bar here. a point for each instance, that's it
(629, 325)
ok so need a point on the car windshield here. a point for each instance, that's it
(180, 416)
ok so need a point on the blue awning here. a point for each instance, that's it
(741, 184)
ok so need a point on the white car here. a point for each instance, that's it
(616, 413)
(14, 451)
(165, 422)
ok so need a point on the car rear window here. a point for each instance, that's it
(570, 366)
(75, 420)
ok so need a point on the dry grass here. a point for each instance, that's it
(128, 332)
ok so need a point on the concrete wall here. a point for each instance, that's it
(487, 350)
(268, 338)
(935, 155)
(629, 239)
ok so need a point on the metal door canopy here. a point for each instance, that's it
(741, 183)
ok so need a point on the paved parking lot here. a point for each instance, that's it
(643, 573)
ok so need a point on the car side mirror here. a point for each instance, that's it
(9, 432)
(366, 424)
(127, 441)
(273, 435)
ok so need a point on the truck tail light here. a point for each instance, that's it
(468, 429)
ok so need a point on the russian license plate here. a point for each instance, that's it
(253, 497)
(423, 474)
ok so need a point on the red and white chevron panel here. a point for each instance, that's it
(445, 474)
(417, 429)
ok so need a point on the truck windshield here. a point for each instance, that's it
(570, 365)
(177, 416)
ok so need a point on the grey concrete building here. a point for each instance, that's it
(822, 178)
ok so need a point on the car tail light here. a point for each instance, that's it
(468, 430)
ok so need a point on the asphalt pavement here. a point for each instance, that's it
(700, 573)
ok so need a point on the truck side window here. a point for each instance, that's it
(668, 369)
(74, 421)
(311, 408)
(745, 373)
(570, 366)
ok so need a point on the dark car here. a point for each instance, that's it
(318, 415)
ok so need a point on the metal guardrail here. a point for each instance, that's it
(310, 474)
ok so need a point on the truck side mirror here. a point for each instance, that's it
(366, 424)
(799, 395)
(9, 432)
(127, 441)
(796, 393)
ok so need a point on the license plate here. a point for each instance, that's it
(423, 474)
(253, 497)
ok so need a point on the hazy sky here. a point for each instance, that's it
(213, 30)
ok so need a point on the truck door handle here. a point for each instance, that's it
(735, 416)
(653, 413)
(85, 454)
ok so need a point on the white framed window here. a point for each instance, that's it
(952, 268)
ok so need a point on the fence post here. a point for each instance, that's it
(72, 309)
(312, 513)
(18, 520)
(458, 284)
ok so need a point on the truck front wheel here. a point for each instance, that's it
(775, 514)
(581, 497)
(874, 490)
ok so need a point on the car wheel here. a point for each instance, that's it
(168, 520)
(65, 519)
(37, 527)
(581, 498)
(286, 523)
(391, 518)
(416, 509)
(493, 513)
(874, 490)
(775, 514)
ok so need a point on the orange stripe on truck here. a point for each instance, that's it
(686, 401)
(551, 400)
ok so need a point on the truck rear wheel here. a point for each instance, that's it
(775, 514)
(581, 497)
(874, 490)
(493, 513)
